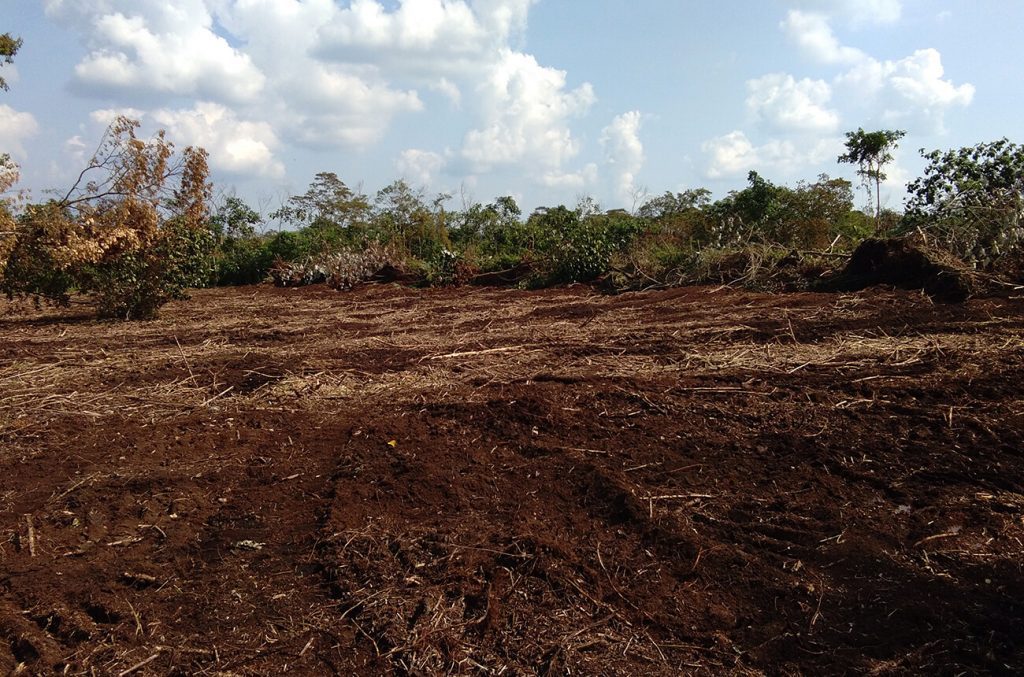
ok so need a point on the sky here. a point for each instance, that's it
(544, 100)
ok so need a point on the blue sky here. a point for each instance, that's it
(546, 100)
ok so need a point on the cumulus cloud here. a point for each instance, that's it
(431, 30)
(165, 48)
(624, 151)
(729, 155)
(526, 112)
(76, 148)
(813, 34)
(572, 180)
(910, 91)
(733, 155)
(236, 146)
(790, 104)
(329, 74)
(859, 12)
(419, 166)
(15, 128)
(450, 90)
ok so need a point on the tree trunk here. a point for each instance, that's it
(878, 205)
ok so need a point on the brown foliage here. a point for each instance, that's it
(109, 234)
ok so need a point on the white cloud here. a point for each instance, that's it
(15, 128)
(730, 155)
(236, 146)
(917, 79)
(624, 151)
(908, 91)
(526, 113)
(148, 46)
(733, 154)
(450, 90)
(859, 12)
(431, 29)
(76, 148)
(577, 180)
(419, 166)
(324, 73)
(813, 33)
(786, 103)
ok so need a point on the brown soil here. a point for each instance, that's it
(692, 481)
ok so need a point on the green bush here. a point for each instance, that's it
(580, 249)
(135, 285)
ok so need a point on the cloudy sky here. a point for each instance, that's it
(546, 100)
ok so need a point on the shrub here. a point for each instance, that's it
(971, 200)
(122, 234)
(580, 249)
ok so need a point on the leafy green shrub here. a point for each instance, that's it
(971, 200)
(244, 261)
(580, 249)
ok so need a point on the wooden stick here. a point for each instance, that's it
(31, 536)
(477, 352)
(187, 365)
(139, 665)
(678, 496)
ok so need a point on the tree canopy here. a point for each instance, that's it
(972, 199)
(871, 151)
(9, 46)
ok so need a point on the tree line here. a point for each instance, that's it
(139, 226)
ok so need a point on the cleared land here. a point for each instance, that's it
(696, 481)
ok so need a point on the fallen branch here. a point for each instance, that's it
(476, 352)
(138, 666)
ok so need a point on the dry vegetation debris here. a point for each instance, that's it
(697, 480)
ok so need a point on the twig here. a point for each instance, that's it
(817, 612)
(476, 352)
(946, 534)
(218, 396)
(138, 666)
(187, 365)
(31, 536)
(678, 496)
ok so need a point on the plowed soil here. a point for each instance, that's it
(398, 481)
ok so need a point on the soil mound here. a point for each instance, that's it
(904, 264)
(1011, 266)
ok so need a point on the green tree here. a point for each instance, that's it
(972, 199)
(871, 152)
(243, 257)
(329, 214)
(671, 205)
(578, 244)
(9, 46)
(812, 214)
(402, 215)
(745, 215)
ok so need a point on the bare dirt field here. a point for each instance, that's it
(399, 481)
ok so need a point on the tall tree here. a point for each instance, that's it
(9, 46)
(871, 152)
